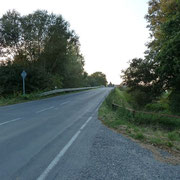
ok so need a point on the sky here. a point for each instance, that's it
(111, 32)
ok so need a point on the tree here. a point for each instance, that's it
(169, 55)
(35, 29)
(62, 55)
(11, 81)
(160, 70)
(44, 45)
(141, 78)
(110, 84)
(97, 79)
(10, 33)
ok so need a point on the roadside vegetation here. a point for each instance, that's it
(45, 47)
(19, 98)
(158, 73)
(147, 103)
(153, 129)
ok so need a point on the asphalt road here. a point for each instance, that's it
(61, 138)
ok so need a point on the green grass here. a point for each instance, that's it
(174, 136)
(18, 98)
(139, 118)
(139, 136)
(156, 130)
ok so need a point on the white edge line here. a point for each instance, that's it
(45, 109)
(62, 152)
(10, 121)
(83, 126)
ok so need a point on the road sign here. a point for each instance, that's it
(23, 75)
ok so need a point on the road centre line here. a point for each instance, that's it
(17, 119)
(45, 109)
(62, 152)
(64, 103)
(61, 104)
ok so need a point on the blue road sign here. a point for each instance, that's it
(23, 75)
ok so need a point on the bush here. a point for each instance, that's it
(140, 98)
(116, 97)
(173, 136)
(157, 107)
(11, 80)
(139, 118)
(174, 99)
(55, 81)
(156, 121)
(139, 136)
(110, 98)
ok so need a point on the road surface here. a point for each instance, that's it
(61, 138)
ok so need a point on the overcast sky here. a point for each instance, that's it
(111, 31)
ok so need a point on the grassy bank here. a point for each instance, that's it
(19, 98)
(153, 129)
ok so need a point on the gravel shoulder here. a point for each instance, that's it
(113, 156)
(103, 154)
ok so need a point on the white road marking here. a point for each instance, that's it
(62, 152)
(83, 126)
(64, 103)
(45, 109)
(17, 119)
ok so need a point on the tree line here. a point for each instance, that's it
(45, 47)
(159, 71)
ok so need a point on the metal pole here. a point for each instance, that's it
(24, 86)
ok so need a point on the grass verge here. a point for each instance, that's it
(18, 98)
(152, 131)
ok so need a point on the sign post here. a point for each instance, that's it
(23, 75)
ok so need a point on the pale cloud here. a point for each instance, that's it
(111, 31)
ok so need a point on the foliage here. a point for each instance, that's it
(138, 74)
(152, 129)
(46, 48)
(140, 98)
(175, 102)
(140, 77)
(11, 81)
(164, 22)
(116, 97)
(140, 118)
(160, 69)
(157, 107)
(97, 79)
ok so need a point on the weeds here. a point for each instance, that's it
(139, 136)
(150, 128)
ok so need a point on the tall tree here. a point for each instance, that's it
(10, 33)
(43, 44)
(164, 22)
(160, 70)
